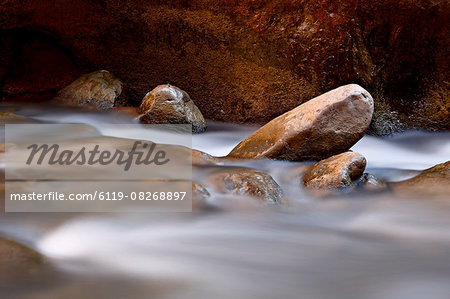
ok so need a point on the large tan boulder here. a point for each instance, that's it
(167, 104)
(322, 127)
(335, 173)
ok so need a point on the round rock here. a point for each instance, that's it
(98, 90)
(167, 104)
(335, 172)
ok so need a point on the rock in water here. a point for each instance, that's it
(335, 173)
(433, 182)
(248, 182)
(169, 104)
(98, 89)
(322, 127)
(18, 261)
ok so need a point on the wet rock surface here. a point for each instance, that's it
(324, 126)
(247, 182)
(434, 182)
(167, 104)
(334, 173)
(200, 158)
(99, 90)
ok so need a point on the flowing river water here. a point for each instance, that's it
(350, 247)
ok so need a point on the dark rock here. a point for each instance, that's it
(433, 182)
(335, 173)
(322, 127)
(167, 104)
(99, 90)
(247, 182)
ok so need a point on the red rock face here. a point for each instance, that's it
(249, 61)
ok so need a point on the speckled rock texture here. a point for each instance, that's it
(247, 182)
(242, 61)
(167, 104)
(322, 127)
(98, 90)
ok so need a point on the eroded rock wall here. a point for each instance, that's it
(249, 61)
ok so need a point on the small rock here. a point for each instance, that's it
(369, 182)
(169, 104)
(99, 90)
(335, 173)
(433, 182)
(322, 127)
(199, 197)
(248, 182)
(200, 158)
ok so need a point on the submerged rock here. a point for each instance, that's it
(369, 182)
(17, 261)
(99, 90)
(322, 127)
(434, 182)
(201, 158)
(167, 104)
(199, 197)
(248, 182)
(334, 173)
(11, 117)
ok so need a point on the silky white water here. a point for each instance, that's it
(355, 247)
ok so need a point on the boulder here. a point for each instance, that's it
(98, 90)
(433, 182)
(248, 183)
(167, 104)
(322, 127)
(335, 173)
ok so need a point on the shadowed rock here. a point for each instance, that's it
(335, 173)
(168, 104)
(98, 90)
(322, 127)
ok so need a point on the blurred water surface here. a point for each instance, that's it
(356, 247)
